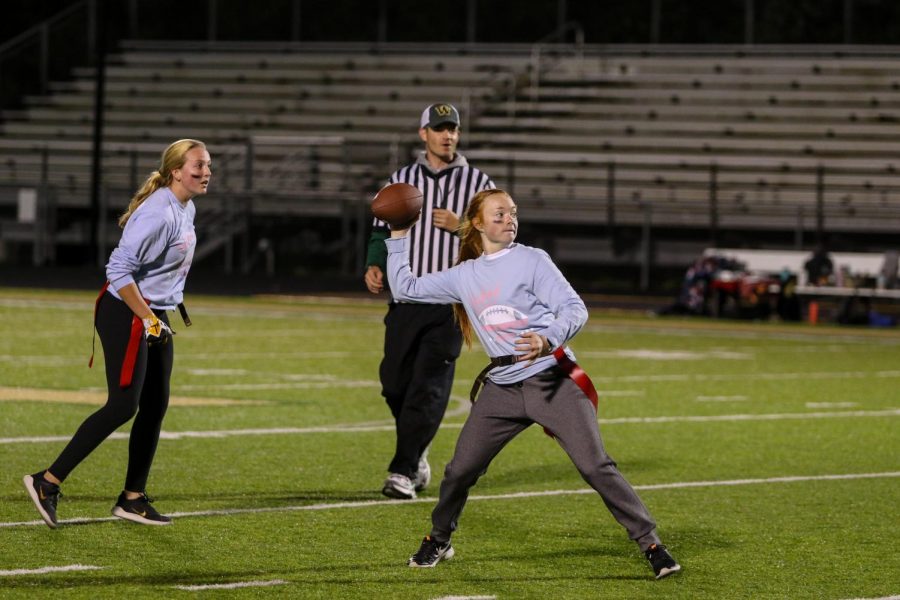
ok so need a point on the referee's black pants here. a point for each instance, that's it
(147, 396)
(421, 345)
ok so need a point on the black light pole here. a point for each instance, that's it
(382, 22)
(655, 20)
(749, 22)
(99, 16)
(848, 21)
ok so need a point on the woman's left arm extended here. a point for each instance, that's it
(434, 288)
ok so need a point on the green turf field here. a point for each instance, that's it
(769, 455)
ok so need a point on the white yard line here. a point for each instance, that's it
(512, 496)
(890, 412)
(664, 355)
(300, 385)
(830, 335)
(98, 397)
(286, 354)
(49, 360)
(230, 586)
(178, 435)
(811, 376)
(43, 570)
(724, 399)
(32, 303)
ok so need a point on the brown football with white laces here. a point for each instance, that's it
(398, 204)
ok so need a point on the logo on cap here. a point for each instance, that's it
(436, 114)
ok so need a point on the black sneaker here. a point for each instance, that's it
(430, 553)
(45, 496)
(662, 562)
(139, 510)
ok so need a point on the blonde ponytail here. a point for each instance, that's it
(152, 183)
(173, 158)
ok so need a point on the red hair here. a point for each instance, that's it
(470, 247)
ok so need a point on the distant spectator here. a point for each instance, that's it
(701, 282)
(693, 295)
(819, 268)
(788, 305)
(854, 311)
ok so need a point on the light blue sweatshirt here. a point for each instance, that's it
(156, 250)
(505, 294)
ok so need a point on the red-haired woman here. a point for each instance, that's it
(524, 312)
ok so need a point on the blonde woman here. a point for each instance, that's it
(146, 275)
(524, 312)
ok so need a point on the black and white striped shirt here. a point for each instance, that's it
(432, 249)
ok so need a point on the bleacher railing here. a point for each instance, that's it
(48, 50)
(32, 196)
(546, 52)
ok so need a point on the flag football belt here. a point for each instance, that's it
(134, 338)
(568, 366)
(496, 361)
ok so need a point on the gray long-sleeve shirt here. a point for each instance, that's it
(505, 294)
(156, 250)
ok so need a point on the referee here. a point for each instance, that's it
(422, 341)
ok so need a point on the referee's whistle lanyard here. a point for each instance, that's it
(568, 366)
(446, 190)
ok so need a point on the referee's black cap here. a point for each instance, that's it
(438, 114)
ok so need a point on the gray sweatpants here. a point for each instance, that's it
(553, 400)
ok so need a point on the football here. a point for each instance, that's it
(398, 205)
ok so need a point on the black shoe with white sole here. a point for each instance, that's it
(45, 496)
(662, 562)
(430, 553)
(139, 511)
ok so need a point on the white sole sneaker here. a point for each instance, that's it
(668, 571)
(423, 475)
(399, 487)
(28, 480)
(445, 556)
(120, 512)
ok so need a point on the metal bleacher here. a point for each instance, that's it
(300, 134)
(775, 138)
(156, 94)
(587, 139)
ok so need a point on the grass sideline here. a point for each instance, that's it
(768, 453)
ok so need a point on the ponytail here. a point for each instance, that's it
(153, 183)
(173, 158)
(470, 247)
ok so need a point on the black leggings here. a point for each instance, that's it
(148, 396)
